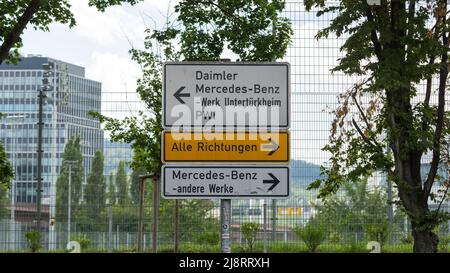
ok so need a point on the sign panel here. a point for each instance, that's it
(226, 95)
(225, 147)
(225, 181)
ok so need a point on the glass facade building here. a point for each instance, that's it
(65, 114)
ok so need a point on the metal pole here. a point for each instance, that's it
(110, 228)
(274, 219)
(39, 160)
(225, 217)
(155, 215)
(225, 214)
(390, 209)
(265, 226)
(176, 225)
(141, 211)
(69, 203)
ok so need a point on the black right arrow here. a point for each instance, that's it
(274, 182)
(178, 95)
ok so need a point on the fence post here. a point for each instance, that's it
(177, 204)
(110, 229)
(265, 226)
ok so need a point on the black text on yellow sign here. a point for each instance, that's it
(225, 147)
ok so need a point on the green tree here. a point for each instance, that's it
(6, 174)
(122, 185)
(134, 184)
(16, 15)
(72, 155)
(392, 47)
(253, 30)
(112, 190)
(354, 210)
(95, 191)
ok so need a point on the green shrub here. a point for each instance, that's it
(82, 240)
(406, 239)
(335, 238)
(313, 234)
(33, 241)
(443, 243)
(249, 231)
(208, 238)
(377, 232)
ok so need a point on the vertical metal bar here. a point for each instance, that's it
(39, 160)
(177, 220)
(155, 215)
(141, 213)
(69, 203)
(225, 214)
(265, 226)
(110, 228)
(274, 219)
(390, 212)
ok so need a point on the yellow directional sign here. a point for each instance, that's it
(225, 147)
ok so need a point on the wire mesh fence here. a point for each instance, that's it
(295, 228)
(293, 225)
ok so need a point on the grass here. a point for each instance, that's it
(278, 247)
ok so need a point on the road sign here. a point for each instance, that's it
(230, 181)
(226, 95)
(225, 147)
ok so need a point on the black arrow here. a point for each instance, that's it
(273, 146)
(178, 95)
(274, 182)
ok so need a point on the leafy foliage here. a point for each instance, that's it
(40, 14)
(6, 174)
(122, 193)
(392, 48)
(205, 29)
(33, 241)
(83, 240)
(72, 153)
(312, 234)
(95, 191)
(353, 210)
(249, 231)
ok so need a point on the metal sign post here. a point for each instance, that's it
(217, 115)
(225, 222)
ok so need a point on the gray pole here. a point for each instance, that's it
(265, 226)
(155, 215)
(274, 219)
(110, 228)
(141, 210)
(69, 203)
(225, 217)
(177, 222)
(39, 160)
(225, 214)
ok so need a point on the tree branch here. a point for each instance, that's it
(14, 35)
(362, 135)
(374, 36)
(440, 116)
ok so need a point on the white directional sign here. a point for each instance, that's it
(226, 95)
(231, 181)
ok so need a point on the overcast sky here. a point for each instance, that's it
(100, 42)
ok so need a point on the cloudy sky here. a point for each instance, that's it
(100, 42)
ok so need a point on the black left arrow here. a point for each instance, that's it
(178, 95)
(274, 181)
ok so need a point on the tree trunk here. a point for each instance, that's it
(425, 241)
